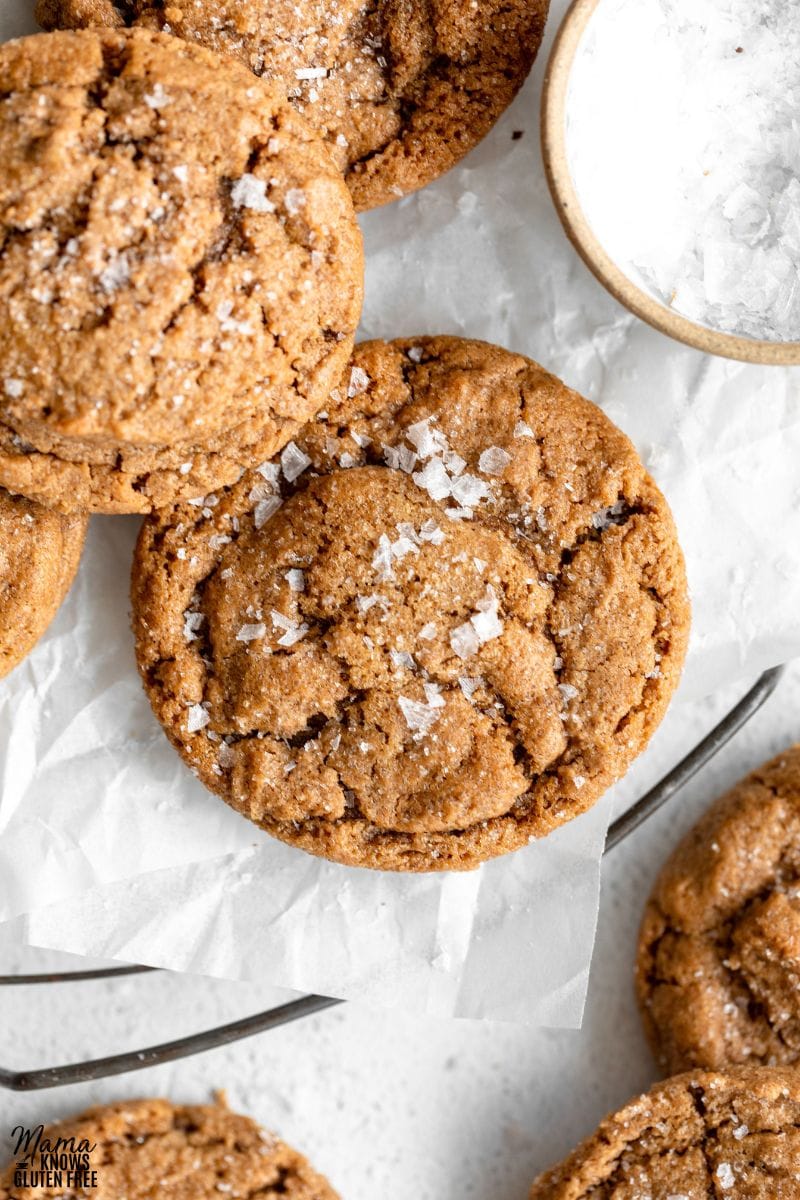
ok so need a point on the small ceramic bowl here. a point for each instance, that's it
(579, 230)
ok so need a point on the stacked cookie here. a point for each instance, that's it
(399, 91)
(180, 281)
(181, 277)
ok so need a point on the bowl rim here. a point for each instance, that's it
(580, 233)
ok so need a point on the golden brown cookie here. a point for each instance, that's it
(718, 966)
(147, 1148)
(461, 624)
(696, 1136)
(400, 89)
(180, 270)
(39, 555)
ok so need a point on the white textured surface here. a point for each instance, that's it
(390, 1105)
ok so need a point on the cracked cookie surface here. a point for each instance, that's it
(39, 554)
(718, 965)
(400, 89)
(180, 270)
(734, 1134)
(147, 1148)
(439, 625)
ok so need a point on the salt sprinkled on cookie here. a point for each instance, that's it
(190, 317)
(680, 1140)
(428, 687)
(399, 94)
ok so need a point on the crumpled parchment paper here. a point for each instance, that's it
(95, 805)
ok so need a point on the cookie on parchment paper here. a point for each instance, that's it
(400, 89)
(439, 625)
(180, 270)
(39, 554)
(718, 966)
(732, 1134)
(147, 1148)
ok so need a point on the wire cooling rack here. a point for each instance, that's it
(294, 1010)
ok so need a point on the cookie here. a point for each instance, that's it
(39, 555)
(180, 270)
(438, 626)
(734, 1134)
(718, 965)
(400, 89)
(147, 1148)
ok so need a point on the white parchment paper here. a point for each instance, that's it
(95, 804)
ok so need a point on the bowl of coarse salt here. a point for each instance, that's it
(671, 141)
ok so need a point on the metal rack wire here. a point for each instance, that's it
(304, 1006)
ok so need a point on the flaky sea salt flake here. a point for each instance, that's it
(294, 201)
(382, 558)
(469, 684)
(158, 98)
(433, 478)
(270, 471)
(402, 658)
(192, 622)
(418, 717)
(494, 460)
(429, 531)
(252, 633)
(359, 382)
(265, 509)
(294, 631)
(725, 1175)
(454, 463)
(468, 491)
(115, 275)
(293, 461)
(365, 603)
(426, 440)
(485, 621)
(464, 640)
(605, 516)
(251, 192)
(196, 718)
